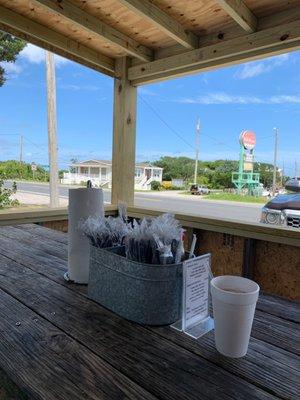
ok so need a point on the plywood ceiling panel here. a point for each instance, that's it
(263, 8)
(200, 16)
(61, 25)
(126, 21)
(204, 17)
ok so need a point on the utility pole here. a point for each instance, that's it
(275, 160)
(197, 149)
(52, 139)
(21, 149)
(296, 168)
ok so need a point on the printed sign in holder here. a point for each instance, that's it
(196, 320)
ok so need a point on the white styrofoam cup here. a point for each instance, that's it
(234, 300)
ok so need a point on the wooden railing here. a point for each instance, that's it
(44, 214)
(250, 230)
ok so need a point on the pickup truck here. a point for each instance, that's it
(282, 210)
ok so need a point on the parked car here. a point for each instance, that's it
(198, 189)
(282, 210)
(293, 184)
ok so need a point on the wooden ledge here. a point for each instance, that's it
(16, 217)
(255, 230)
(250, 230)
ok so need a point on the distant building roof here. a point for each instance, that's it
(91, 162)
(108, 162)
(146, 165)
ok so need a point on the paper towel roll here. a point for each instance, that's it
(83, 202)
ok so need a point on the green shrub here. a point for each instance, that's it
(155, 185)
(5, 195)
(12, 169)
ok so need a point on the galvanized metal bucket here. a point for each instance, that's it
(144, 293)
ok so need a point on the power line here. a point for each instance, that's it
(218, 142)
(197, 149)
(166, 124)
(176, 132)
(275, 159)
(39, 146)
(265, 137)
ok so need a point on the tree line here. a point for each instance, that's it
(13, 169)
(214, 174)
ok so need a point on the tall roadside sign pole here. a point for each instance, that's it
(275, 160)
(245, 177)
(197, 149)
(52, 139)
(21, 149)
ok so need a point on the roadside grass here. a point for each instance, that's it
(21, 207)
(236, 197)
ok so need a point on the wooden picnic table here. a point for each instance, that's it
(55, 343)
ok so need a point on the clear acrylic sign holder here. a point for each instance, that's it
(196, 320)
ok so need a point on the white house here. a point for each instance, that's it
(100, 171)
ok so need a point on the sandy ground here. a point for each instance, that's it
(37, 199)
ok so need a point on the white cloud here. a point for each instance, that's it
(279, 60)
(76, 88)
(225, 98)
(255, 68)
(146, 92)
(252, 69)
(33, 54)
(285, 99)
(11, 68)
(221, 98)
(36, 55)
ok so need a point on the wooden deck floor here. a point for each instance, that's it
(55, 343)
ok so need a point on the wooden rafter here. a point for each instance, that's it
(270, 41)
(238, 10)
(96, 27)
(55, 41)
(162, 21)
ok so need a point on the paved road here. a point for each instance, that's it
(170, 201)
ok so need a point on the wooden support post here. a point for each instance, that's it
(52, 140)
(124, 127)
(248, 258)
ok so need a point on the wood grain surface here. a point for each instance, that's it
(82, 350)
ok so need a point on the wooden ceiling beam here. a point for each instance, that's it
(162, 21)
(238, 10)
(96, 27)
(55, 42)
(280, 18)
(266, 42)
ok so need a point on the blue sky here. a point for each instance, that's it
(257, 96)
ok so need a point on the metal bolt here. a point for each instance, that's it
(284, 37)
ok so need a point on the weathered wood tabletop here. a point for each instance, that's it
(55, 343)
